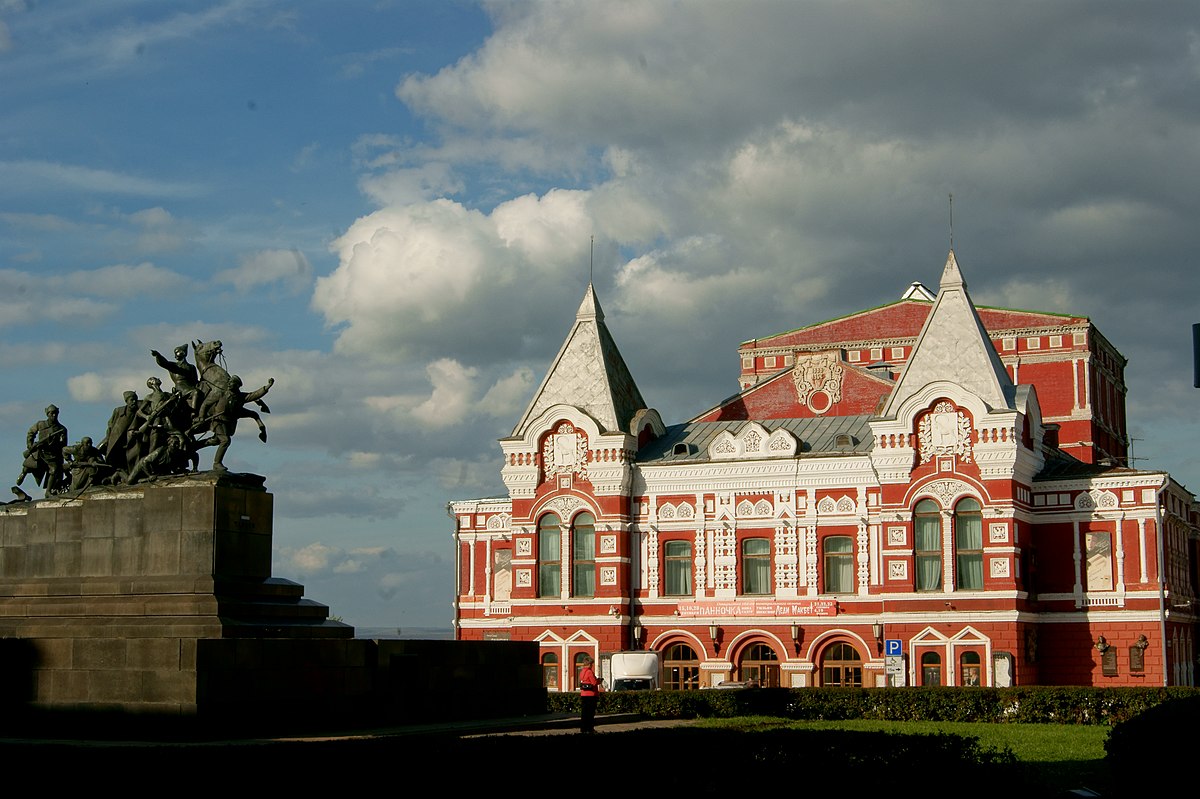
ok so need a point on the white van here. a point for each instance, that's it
(631, 671)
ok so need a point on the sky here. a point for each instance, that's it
(389, 208)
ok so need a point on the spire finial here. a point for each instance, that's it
(952, 220)
(591, 258)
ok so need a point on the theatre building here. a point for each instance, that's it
(924, 493)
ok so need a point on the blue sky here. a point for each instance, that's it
(387, 207)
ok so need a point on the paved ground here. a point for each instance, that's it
(549, 724)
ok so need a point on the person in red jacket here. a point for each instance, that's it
(589, 692)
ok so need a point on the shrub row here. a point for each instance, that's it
(1029, 704)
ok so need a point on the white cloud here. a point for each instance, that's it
(288, 268)
(39, 177)
(453, 392)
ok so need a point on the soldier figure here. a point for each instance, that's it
(44, 452)
(83, 463)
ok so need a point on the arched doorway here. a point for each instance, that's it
(841, 665)
(759, 664)
(681, 668)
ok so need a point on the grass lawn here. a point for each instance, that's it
(1056, 756)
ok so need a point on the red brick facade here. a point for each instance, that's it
(968, 502)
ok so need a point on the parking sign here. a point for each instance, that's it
(891, 647)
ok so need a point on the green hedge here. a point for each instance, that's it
(1033, 704)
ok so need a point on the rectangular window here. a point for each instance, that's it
(897, 353)
(549, 557)
(968, 545)
(877, 354)
(1056, 341)
(839, 565)
(1033, 343)
(1099, 561)
(756, 566)
(583, 556)
(677, 562)
(927, 532)
(854, 356)
(1009, 343)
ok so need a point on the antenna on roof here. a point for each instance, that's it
(952, 221)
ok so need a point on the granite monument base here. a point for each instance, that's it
(158, 598)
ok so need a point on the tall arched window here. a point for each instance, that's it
(931, 669)
(549, 556)
(927, 538)
(970, 670)
(677, 568)
(681, 668)
(583, 555)
(839, 564)
(579, 662)
(550, 671)
(968, 544)
(841, 665)
(756, 566)
(760, 664)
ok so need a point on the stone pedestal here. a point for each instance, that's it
(159, 598)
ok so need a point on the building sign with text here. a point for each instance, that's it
(771, 608)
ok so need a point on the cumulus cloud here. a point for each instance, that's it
(420, 279)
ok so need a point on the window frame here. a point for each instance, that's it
(927, 512)
(967, 555)
(760, 662)
(965, 668)
(761, 561)
(840, 558)
(583, 565)
(550, 672)
(677, 567)
(680, 673)
(931, 666)
(834, 661)
(549, 568)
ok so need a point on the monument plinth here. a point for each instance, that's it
(159, 597)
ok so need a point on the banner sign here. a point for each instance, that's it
(779, 609)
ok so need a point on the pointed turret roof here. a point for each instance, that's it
(954, 346)
(589, 373)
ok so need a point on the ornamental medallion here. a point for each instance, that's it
(818, 379)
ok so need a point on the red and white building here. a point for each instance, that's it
(926, 477)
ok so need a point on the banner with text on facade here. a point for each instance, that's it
(769, 608)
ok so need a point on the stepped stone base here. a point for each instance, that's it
(159, 598)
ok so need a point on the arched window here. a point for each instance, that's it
(756, 566)
(760, 664)
(839, 564)
(583, 555)
(841, 665)
(550, 671)
(579, 661)
(677, 568)
(931, 669)
(927, 537)
(970, 672)
(681, 668)
(968, 545)
(549, 556)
